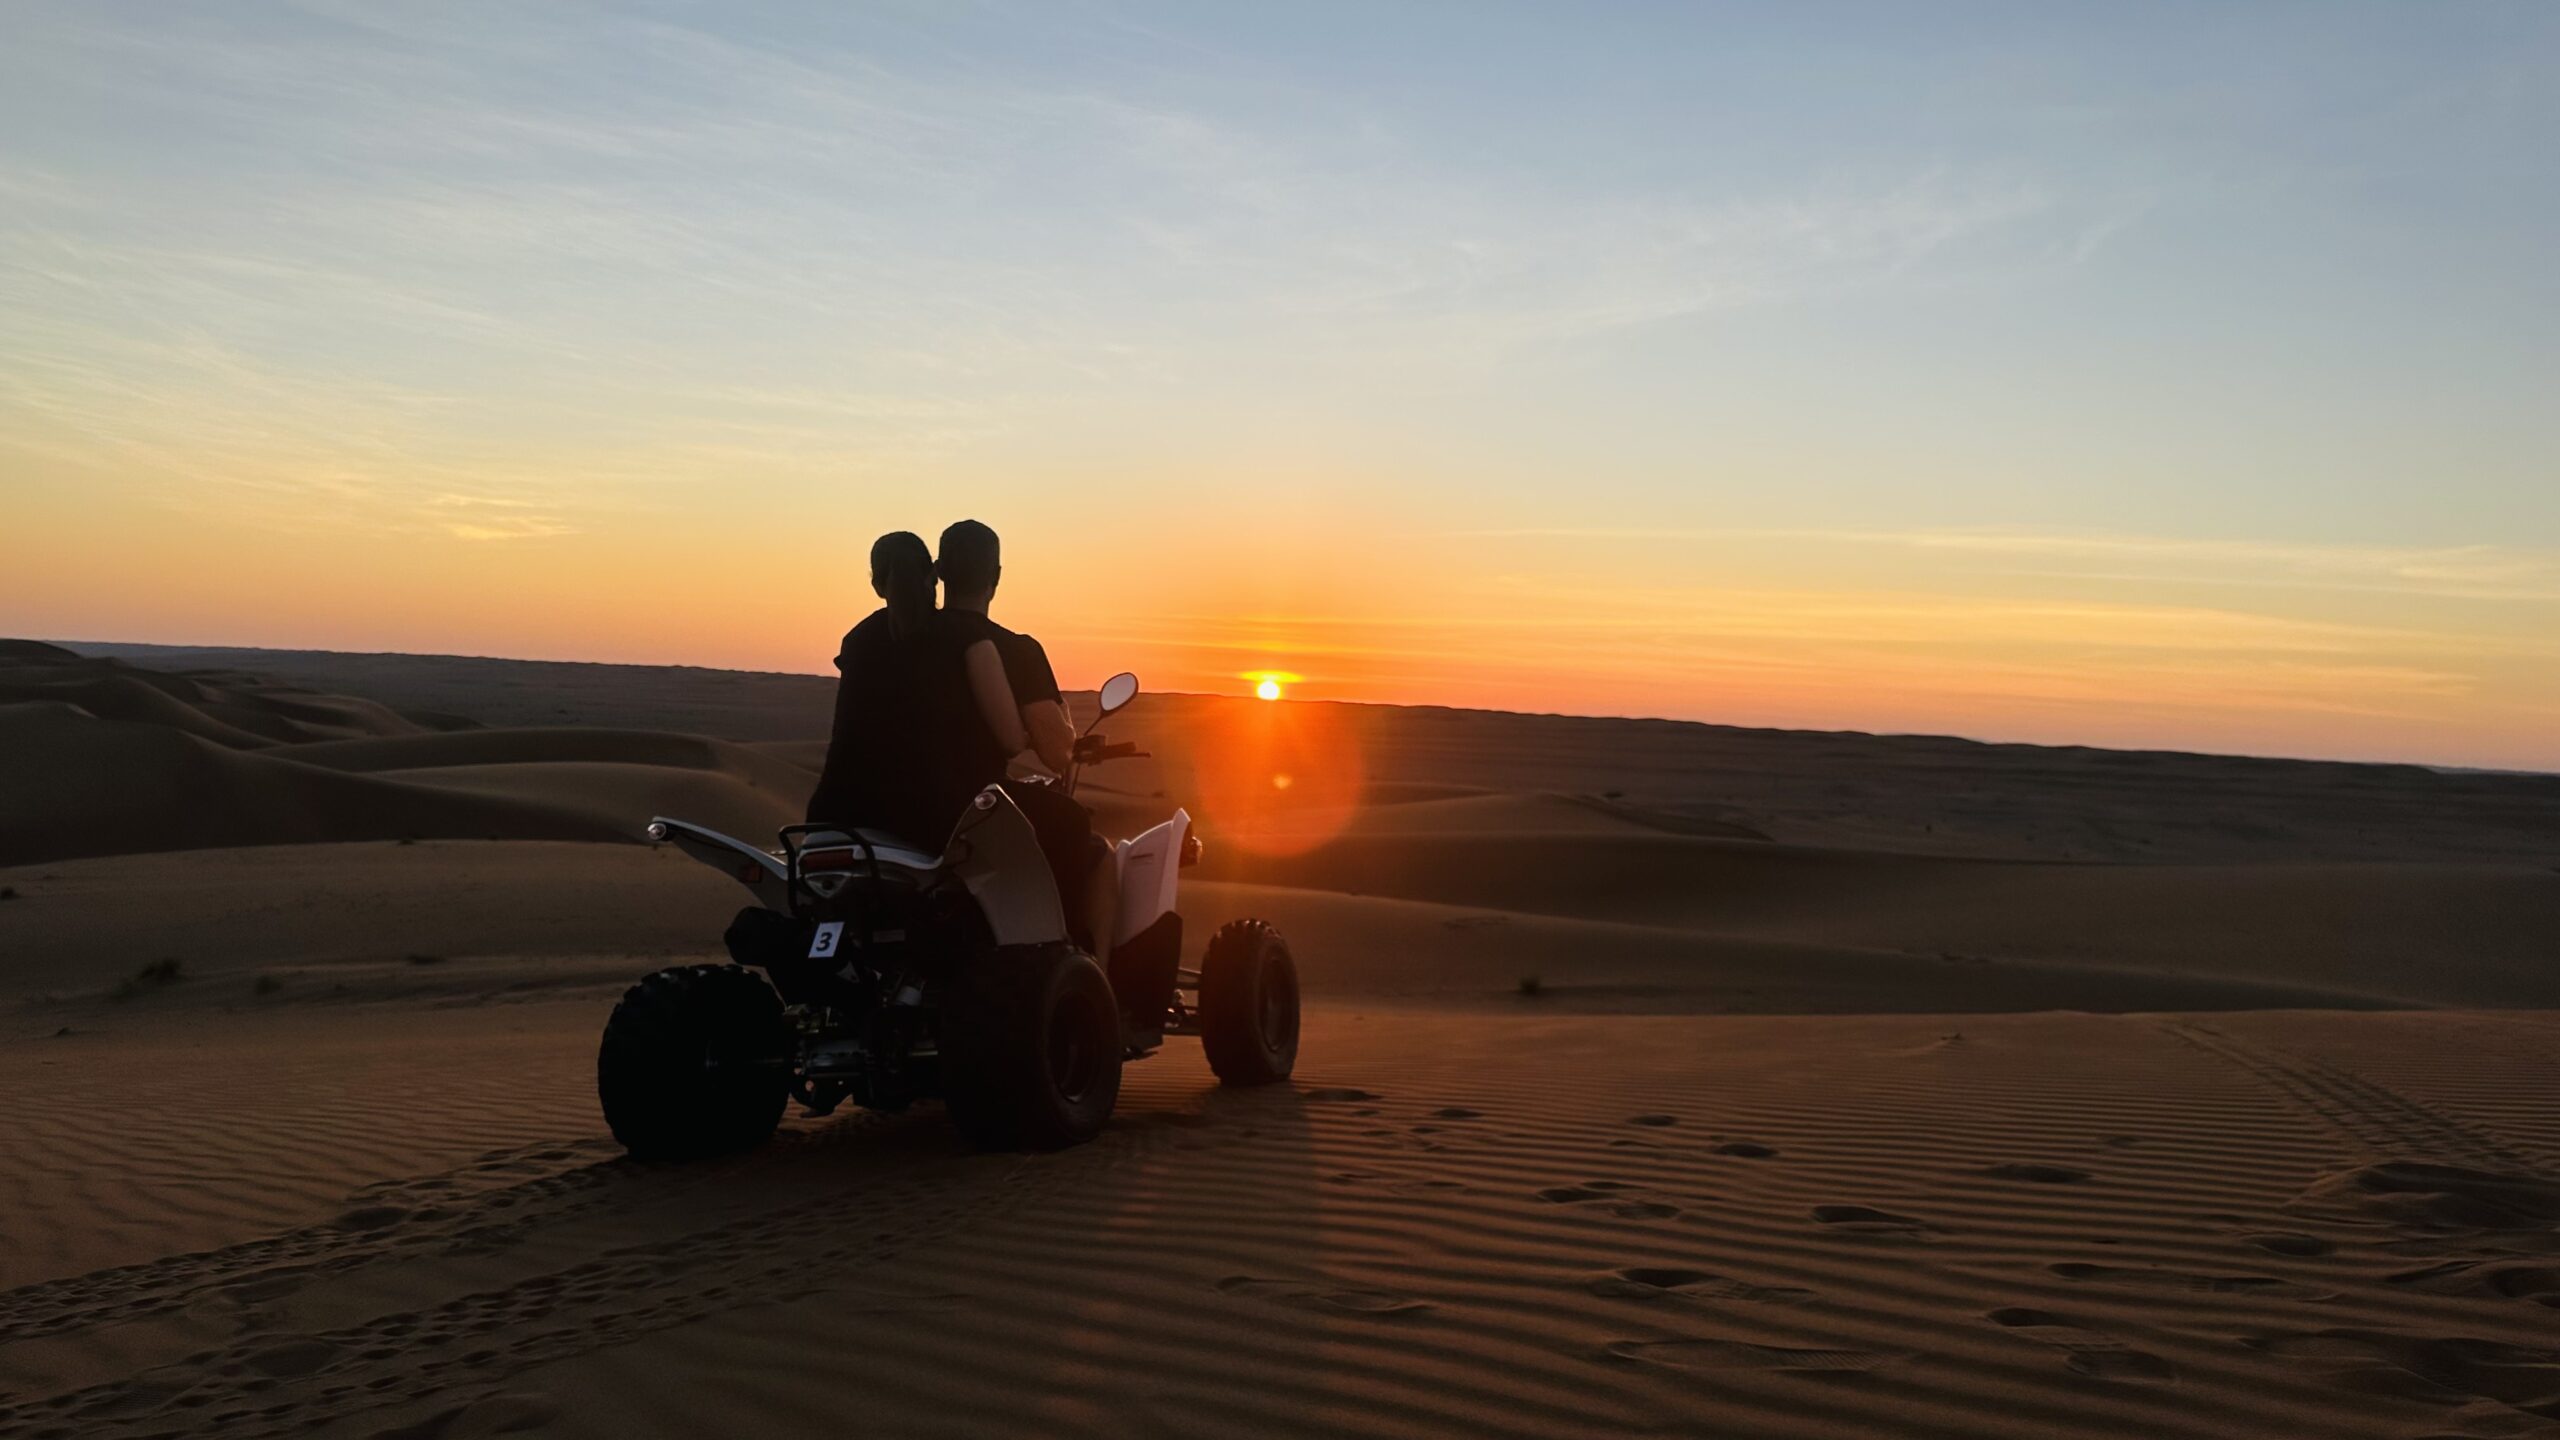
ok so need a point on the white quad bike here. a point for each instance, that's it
(872, 971)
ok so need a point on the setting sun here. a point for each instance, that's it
(1269, 684)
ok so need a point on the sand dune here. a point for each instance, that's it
(1915, 794)
(1869, 1087)
(230, 707)
(100, 758)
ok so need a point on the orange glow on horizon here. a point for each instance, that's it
(1795, 633)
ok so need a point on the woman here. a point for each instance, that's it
(900, 757)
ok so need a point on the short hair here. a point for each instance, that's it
(970, 559)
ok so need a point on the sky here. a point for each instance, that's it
(2174, 376)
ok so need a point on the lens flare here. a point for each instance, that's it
(1272, 781)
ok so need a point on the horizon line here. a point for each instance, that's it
(2438, 767)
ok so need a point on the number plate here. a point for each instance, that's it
(822, 946)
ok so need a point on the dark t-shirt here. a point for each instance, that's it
(1026, 665)
(907, 749)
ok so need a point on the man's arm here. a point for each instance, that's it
(1053, 735)
(1044, 711)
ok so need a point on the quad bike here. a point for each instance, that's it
(874, 971)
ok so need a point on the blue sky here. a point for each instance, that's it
(2075, 327)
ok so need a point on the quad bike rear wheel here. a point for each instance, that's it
(1031, 1051)
(1249, 1004)
(695, 1062)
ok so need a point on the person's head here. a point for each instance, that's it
(970, 564)
(902, 576)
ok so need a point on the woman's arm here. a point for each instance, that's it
(994, 695)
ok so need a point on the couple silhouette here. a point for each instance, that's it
(935, 704)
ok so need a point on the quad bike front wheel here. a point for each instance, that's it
(695, 1062)
(1032, 1050)
(1249, 1004)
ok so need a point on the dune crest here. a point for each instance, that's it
(101, 757)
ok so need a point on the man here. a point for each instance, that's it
(970, 564)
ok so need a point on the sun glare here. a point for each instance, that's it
(1269, 684)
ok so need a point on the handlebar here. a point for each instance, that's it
(1089, 753)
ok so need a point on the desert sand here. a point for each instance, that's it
(1658, 1080)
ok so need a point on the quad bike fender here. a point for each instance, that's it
(996, 854)
(754, 868)
(1148, 865)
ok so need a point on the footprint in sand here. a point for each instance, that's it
(372, 1217)
(2300, 1247)
(1742, 1355)
(1747, 1150)
(1316, 1296)
(2035, 1174)
(259, 1289)
(1624, 1209)
(2441, 1370)
(1337, 1096)
(2086, 1352)
(291, 1358)
(1456, 1112)
(496, 1415)
(1864, 1219)
(1649, 1281)
(2157, 1278)
(1658, 1282)
(1657, 1121)
(2539, 1284)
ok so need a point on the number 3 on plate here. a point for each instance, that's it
(822, 946)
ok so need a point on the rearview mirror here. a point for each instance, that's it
(1119, 690)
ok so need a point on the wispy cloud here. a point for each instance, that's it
(2468, 572)
(391, 235)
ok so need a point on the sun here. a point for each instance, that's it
(1269, 684)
